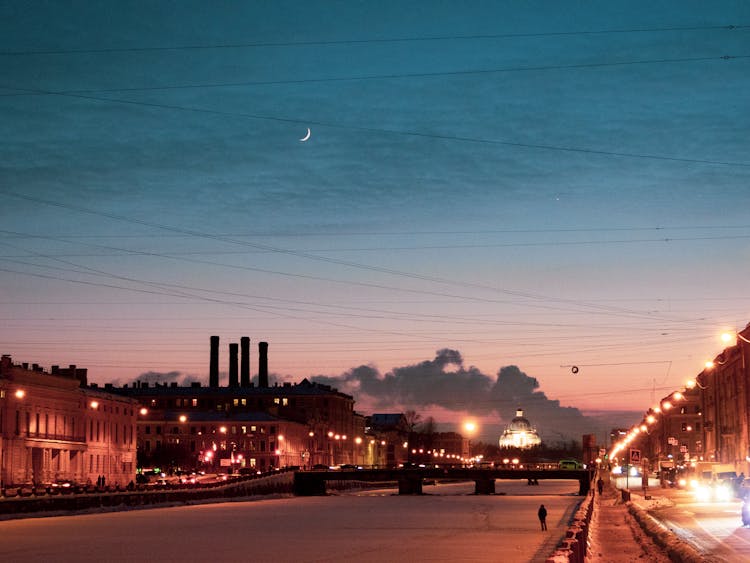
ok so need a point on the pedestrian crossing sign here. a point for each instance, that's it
(635, 456)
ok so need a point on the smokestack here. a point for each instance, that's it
(233, 365)
(213, 369)
(244, 361)
(262, 364)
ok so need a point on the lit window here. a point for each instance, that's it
(195, 402)
(276, 400)
(236, 402)
(244, 402)
(284, 401)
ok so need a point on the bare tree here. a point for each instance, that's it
(412, 419)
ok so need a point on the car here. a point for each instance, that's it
(569, 464)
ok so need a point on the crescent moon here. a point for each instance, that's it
(306, 137)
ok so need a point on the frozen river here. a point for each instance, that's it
(447, 523)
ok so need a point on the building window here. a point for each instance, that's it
(284, 402)
(244, 402)
(684, 426)
(276, 401)
(158, 431)
(244, 429)
(236, 402)
(195, 402)
(148, 430)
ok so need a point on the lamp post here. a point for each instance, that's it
(470, 427)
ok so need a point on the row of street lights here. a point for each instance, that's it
(666, 404)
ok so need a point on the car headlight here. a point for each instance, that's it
(723, 493)
(703, 493)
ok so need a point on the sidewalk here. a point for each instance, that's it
(615, 536)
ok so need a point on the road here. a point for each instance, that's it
(714, 528)
(447, 524)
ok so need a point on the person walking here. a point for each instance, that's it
(542, 517)
(599, 485)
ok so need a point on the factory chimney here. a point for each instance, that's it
(233, 365)
(263, 364)
(213, 370)
(244, 361)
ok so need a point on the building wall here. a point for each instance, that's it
(44, 423)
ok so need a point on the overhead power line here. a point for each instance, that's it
(385, 131)
(371, 40)
(387, 76)
(531, 298)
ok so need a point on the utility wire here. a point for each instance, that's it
(390, 76)
(398, 132)
(314, 257)
(374, 40)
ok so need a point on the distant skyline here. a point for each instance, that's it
(541, 185)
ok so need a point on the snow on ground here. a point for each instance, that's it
(616, 537)
(447, 524)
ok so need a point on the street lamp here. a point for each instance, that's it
(470, 427)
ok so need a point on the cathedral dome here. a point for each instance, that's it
(519, 433)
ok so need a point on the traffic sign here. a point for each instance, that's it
(635, 456)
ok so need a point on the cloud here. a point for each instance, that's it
(152, 377)
(446, 383)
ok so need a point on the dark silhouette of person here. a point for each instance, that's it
(542, 516)
(599, 485)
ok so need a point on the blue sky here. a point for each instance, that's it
(538, 184)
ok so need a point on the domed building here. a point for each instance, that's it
(520, 433)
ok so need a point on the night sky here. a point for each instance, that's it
(486, 185)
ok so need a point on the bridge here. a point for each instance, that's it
(410, 480)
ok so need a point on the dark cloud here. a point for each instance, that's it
(445, 382)
(152, 377)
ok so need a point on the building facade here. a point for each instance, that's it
(708, 420)
(242, 425)
(52, 428)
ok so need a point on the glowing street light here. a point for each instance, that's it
(20, 393)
